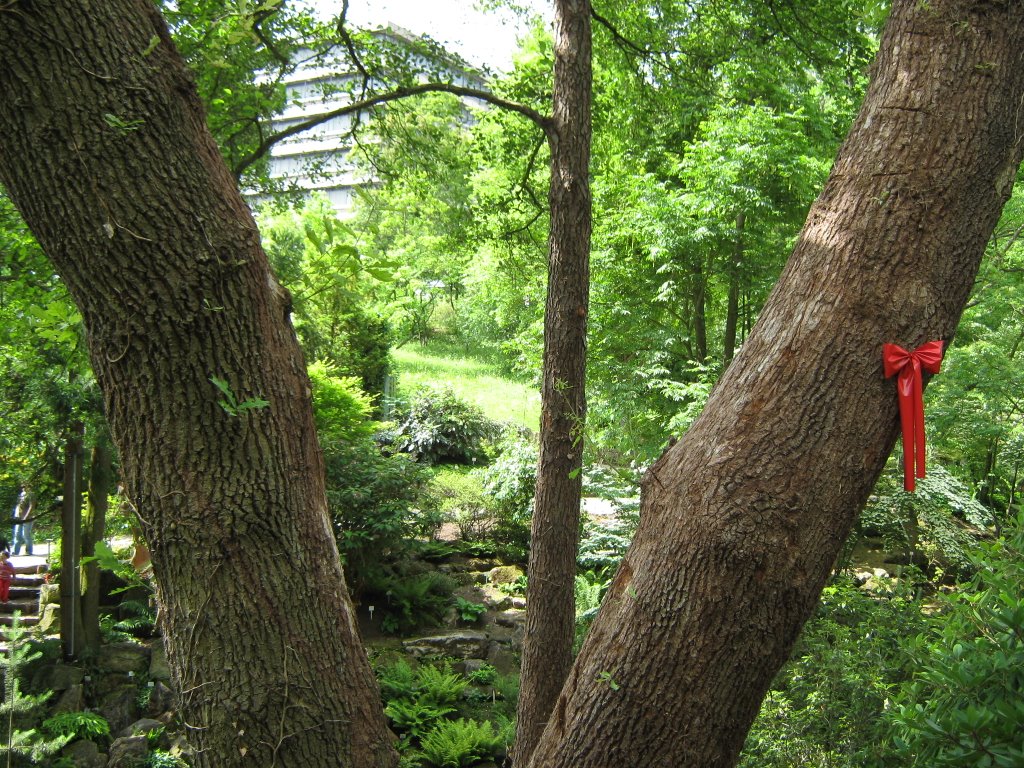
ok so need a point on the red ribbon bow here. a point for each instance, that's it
(909, 386)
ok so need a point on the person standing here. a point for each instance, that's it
(23, 521)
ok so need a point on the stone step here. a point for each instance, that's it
(27, 620)
(33, 581)
(25, 605)
(29, 567)
(19, 592)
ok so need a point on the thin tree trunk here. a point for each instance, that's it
(72, 638)
(106, 153)
(700, 315)
(732, 310)
(550, 613)
(742, 519)
(94, 527)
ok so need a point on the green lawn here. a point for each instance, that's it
(472, 378)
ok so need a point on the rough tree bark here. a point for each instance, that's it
(743, 518)
(105, 152)
(550, 613)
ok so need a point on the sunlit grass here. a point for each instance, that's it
(471, 377)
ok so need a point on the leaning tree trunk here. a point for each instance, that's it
(104, 149)
(743, 518)
(550, 612)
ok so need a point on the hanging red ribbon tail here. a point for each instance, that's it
(909, 386)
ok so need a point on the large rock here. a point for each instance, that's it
(128, 752)
(161, 699)
(49, 594)
(492, 597)
(145, 727)
(120, 707)
(57, 677)
(502, 658)
(141, 727)
(126, 658)
(505, 574)
(158, 667)
(84, 754)
(464, 644)
(49, 621)
(72, 700)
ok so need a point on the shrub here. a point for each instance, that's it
(511, 482)
(415, 717)
(371, 498)
(469, 611)
(462, 742)
(485, 674)
(964, 705)
(408, 600)
(369, 495)
(397, 680)
(511, 479)
(935, 527)
(416, 700)
(440, 686)
(602, 546)
(436, 426)
(341, 409)
(162, 759)
(825, 708)
(588, 590)
(460, 499)
(79, 725)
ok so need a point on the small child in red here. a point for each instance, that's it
(6, 577)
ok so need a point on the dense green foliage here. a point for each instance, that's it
(964, 702)
(430, 708)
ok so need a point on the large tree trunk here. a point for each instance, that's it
(550, 613)
(743, 518)
(106, 153)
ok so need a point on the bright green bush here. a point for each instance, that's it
(461, 499)
(79, 725)
(511, 479)
(469, 611)
(162, 759)
(414, 717)
(439, 685)
(341, 408)
(964, 705)
(397, 680)
(485, 674)
(510, 482)
(462, 742)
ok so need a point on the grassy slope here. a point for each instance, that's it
(471, 377)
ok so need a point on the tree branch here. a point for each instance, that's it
(544, 122)
(350, 46)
